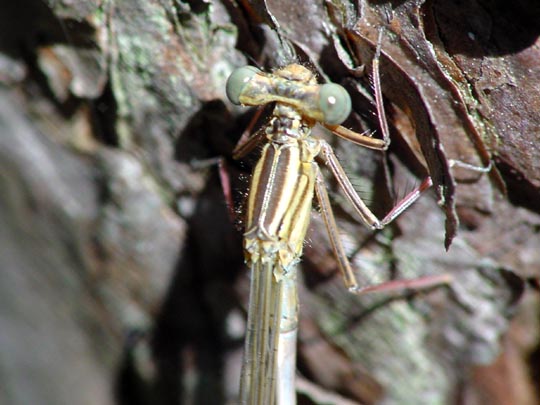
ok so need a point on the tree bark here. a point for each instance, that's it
(122, 277)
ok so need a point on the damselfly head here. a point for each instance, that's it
(293, 85)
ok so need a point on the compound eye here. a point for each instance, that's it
(335, 103)
(237, 81)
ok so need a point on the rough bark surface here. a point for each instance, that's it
(121, 272)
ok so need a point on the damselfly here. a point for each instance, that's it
(284, 182)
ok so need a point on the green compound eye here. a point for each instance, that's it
(237, 81)
(335, 103)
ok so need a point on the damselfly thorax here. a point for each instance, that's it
(281, 192)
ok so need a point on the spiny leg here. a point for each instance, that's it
(343, 262)
(383, 123)
(359, 139)
(248, 141)
(366, 140)
(243, 147)
(380, 144)
(361, 208)
(474, 168)
(376, 78)
(333, 233)
(225, 181)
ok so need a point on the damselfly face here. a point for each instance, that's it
(293, 85)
